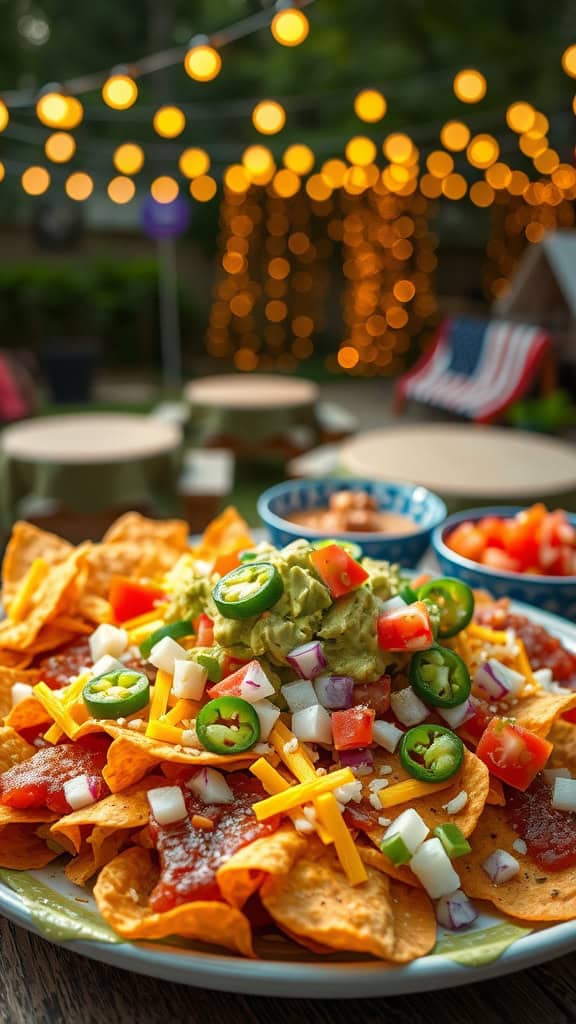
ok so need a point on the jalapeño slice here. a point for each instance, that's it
(454, 600)
(431, 753)
(175, 630)
(250, 589)
(354, 550)
(228, 725)
(116, 694)
(440, 677)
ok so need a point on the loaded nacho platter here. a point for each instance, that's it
(242, 766)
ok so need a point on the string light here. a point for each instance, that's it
(2, 171)
(483, 151)
(35, 180)
(202, 62)
(120, 91)
(286, 183)
(4, 116)
(79, 186)
(236, 178)
(481, 194)
(334, 172)
(164, 189)
(56, 110)
(470, 86)
(268, 117)
(128, 158)
(203, 188)
(290, 26)
(169, 122)
(520, 117)
(398, 148)
(454, 186)
(121, 189)
(569, 61)
(194, 162)
(439, 163)
(370, 106)
(60, 147)
(299, 158)
(360, 150)
(257, 160)
(455, 135)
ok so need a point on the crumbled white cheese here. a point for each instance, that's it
(136, 724)
(457, 804)
(320, 772)
(374, 801)
(520, 846)
(261, 748)
(385, 769)
(361, 771)
(291, 746)
(377, 784)
(384, 822)
(309, 813)
(349, 791)
(303, 826)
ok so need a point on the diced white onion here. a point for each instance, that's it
(386, 735)
(551, 774)
(564, 794)
(520, 846)
(391, 604)
(190, 739)
(308, 659)
(408, 708)
(189, 679)
(460, 714)
(167, 804)
(211, 787)
(495, 681)
(313, 725)
(455, 911)
(268, 716)
(165, 653)
(433, 868)
(411, 828)
(20, 692)
(107, 664)
(108, 639)
(500, 866)
(78, 792)
(299, 695)
(543, 676)
(255, 684)
(457, 804)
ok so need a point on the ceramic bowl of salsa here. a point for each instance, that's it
(552, 593)
(388, 520)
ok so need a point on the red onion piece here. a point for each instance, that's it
(455, 911)
(356, 758)
(494, 681)
(308, 660)
(500, 866)
(460, 714)
(335, 692)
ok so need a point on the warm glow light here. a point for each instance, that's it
(169, 122)
(286, 183)
(275, 311)
(299, 158)
(398, 148)
(194, 162)
(60, 147)
(455, 135)
(279, 268)
(268, 117)
(317, 188)
(120, 92)
(302, 326)
(128, 158)
(518, 183)
(483, 151)
(56, 110)
(79, 186)
(164, 189)
(499, 176)
(370, 105)
(361, 151)
(236, 178)
(203, 189)
(334, 172)
(4, 115)
(35, 180)
(481, 194)
(348, 357)
(2, 171)
(520, 117)
(257, 160)
(121, 190)
(547, 161)
(439, 163)
(202, 63)
(470, 86)
(430, 186)
(454, 186)
(404, 291)
(290, 27)
(569, 61)
(531, 146)
(564, 176)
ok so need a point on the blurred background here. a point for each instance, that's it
(320, 191)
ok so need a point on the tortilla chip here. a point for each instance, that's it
(246, 870)
(315, 901)
(534, 894)
(94, 608)
(89, 861)
(13, 749)
(22, 850)
(107, 560)
(496, 793)
(134, 527)
(473, 778)
(48, 601)
(563, 736)
(81, 869)
(414, 923)
(122, 892)
(539, 711)
(26, 544)
(127, 810)
(132, 755)
(25, 815)
(228, 533)
(9, 676)
(15, 659)
(27, 715)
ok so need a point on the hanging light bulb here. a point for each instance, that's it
(79, 186)
(128, 158)
(289, 25)
(4, 115)
(57, 110)
(169, 122)
(269, 117)
(35, 180)
(120, 90)
(202, 62)
(121, 190)
(60, 147)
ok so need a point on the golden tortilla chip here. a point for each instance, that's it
(25, 815)
(107, 560)
(134, 527)
(9, 676)
(13, 749)
(228, 533)
(27, 715)
(534, 894)
(26, 544)
(48, 600)
(563, 736)
(94, 608)
(414, 922)
(122, 893)
(22, 850)
(132, 755)
(126, 810)
(539, 711)
(89, 861)
(496, 793)
(246, 870)
(15, 659)
(315, 901)
(81, 869)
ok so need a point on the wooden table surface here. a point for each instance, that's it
(42, 984)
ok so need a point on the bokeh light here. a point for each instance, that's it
(164, 189)
(203, 188)
(481, 194)
(79, 186)
(4, 116)
(268, 117)
(60, 147)
(35, 180)
(439, 163)
(370, 105)
(258, 161)
(569, 61)
(194, 162)
(317, 188)
(203, 63)
(120, 92)
(56, 110)
(286, 183)
(290, 27)
(348, 357)
(398, 148)
(498, 175)
(128, 158)
(236, 179)
(520, 117)
(469, 86)
(121, 189)
(334, 172)
(169, 122)
(483, 151)
(360, 150)
(455, 135)
(454, 186)
(299, 158)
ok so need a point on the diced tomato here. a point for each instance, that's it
(130, 598)
(338, 570)
(406, 629)
(204, 631)
(231, 686)
(230, 664)
(39, 782)
(468, 541)
(513, 754)
(352, 728)
(492, 529)
(475, 726)
(497, 559)
(533, 541)
(521, 534)
(374, 695)
(570, 716)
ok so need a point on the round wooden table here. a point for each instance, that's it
(465, 461)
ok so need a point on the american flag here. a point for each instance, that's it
(475, 368)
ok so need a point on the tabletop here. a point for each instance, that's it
(82, 438)
(465, 460)
(256, 391)
(43, 984)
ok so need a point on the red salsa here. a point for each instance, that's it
(543, 649)
(58, 668)
(191, 856)
(39, 782)
(550, 835)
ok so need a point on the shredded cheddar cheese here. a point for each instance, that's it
(330, 817)
(21, 601)
(410, 789)
(304, 793)
(68, 697)
(274, 783)
(160, 695)
(57, 709)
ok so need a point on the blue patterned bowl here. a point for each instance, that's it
(552, 593)
(426, 509)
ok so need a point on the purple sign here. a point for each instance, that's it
(164, 220)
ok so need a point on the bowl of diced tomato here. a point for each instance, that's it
(527, 554)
